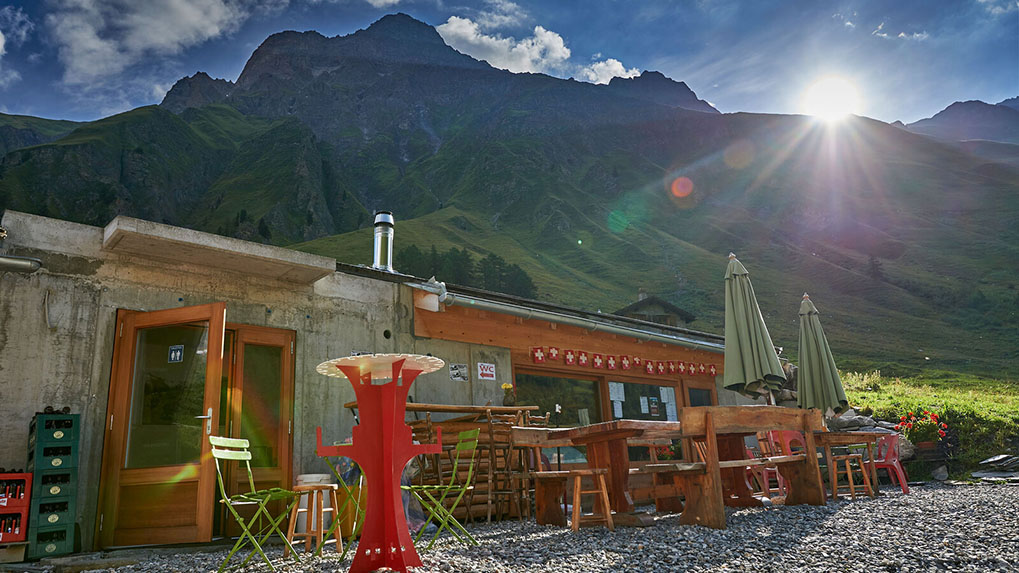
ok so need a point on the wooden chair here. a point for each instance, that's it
(600, 489)
(235, 449)
(505, 465)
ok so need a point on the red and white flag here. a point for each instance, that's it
(691, 368)
(681, 367)
(582, 359)
(637, 362)
(597, 361)
(712, 370)
(570, 357)
(702, 368)
(672, 366)
(624, 362)
(649, 366)
(610, 362)
(661, 367)
(537, 354)
(553, 353)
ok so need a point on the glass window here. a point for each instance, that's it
(698, 397)
(260, 403)
(580, 401)
(645, 401)
(168, 391)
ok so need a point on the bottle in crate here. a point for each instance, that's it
(53, 455)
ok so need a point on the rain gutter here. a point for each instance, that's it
(589, 324)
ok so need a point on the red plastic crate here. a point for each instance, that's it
(13, 524)
(15, 491)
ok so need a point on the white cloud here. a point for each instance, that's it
(999, 7)
(918, 36)
(383, 3)
(97, 39)
(544, 51)
(879, 31)
(15, 27)
(602, 72)
(501, 14)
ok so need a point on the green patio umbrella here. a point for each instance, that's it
(751, 363)
(819, 383)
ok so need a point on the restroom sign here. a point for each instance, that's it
(486, 371)
(176, 354)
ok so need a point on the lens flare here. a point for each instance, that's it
(740, 154)
(618, 221)
(682, 187)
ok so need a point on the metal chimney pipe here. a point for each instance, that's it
(383, 259)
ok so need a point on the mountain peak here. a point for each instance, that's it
(658, 88)
(1012, 102)
(195, 91)
(404, 28)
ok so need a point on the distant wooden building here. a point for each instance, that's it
(654, 309)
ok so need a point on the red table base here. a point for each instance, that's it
(382, 446)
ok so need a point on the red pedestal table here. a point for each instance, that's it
(382, 446)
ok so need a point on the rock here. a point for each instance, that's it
(907, 450)
(886, 425)
(940, 473)
(786, 395)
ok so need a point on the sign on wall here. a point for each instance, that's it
(459, 373)
(486, 371)
(176, 354)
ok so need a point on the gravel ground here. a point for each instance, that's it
(934, 528)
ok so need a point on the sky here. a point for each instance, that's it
(905, 59)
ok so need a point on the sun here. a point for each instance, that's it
(831, 99)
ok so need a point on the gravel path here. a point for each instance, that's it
(935, 528)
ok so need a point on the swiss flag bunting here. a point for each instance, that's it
(672, 366)
(712, 370)
(597, 361)
(553, 353)
(537, 355)
(582, 359)
(570, 357)
(624, 362)
(610, 362)
(649, 366)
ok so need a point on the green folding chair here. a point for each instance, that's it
(237, 450)
(350, 498)
(433, 497)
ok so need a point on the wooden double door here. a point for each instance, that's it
(179, 376)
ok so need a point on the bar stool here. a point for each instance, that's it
(598, 475)
(848, 469)
(314, 523)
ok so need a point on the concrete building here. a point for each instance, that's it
(124, 325)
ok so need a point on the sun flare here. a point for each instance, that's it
(831, 99)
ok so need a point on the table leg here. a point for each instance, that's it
(613, 456)
(831, 473)
(734, 483)
(873, 470)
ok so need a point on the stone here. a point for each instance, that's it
(940, 473)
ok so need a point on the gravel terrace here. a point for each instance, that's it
(934, 528)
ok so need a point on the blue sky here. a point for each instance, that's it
(908, 59)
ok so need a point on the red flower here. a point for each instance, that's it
(903, 418)
(927, 412)
(944, 425)
(898, 426)
(909, 425)
(942, 433)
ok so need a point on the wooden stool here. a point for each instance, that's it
(848, 469)
(598, 475)
(314, 523)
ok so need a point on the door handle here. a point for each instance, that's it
(208, 421)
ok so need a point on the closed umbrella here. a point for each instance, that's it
(751, 363)
(819, 383)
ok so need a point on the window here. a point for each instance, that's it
(580, 399)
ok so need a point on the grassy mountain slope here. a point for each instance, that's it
(18, 131)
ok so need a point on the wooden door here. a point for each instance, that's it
(258, 395)
(158, 477)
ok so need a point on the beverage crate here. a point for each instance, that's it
(13, 524)
(53, 429)
(13, 553)
(52, 512)
(50, 541)
(15, 490)
(51, 456)
(55, 484)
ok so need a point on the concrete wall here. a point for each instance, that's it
(57, 332)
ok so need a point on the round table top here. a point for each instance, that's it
(381, 365)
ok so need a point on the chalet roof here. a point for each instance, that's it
(613, 319)
(652, 300)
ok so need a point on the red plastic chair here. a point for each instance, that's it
(790, 441)
(887, 457)
(763, 476)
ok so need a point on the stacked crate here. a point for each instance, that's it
(15, 493)
(53, 460)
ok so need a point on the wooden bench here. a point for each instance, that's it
(722, 429)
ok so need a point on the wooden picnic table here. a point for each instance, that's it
(709, 485)
(829, 439)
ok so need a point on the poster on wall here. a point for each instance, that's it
(459, 373)
(617, 409)
(670, 412)
(616, 393)
(653, 405)
(643, 405)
